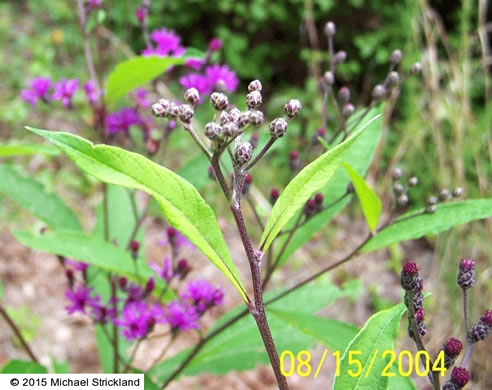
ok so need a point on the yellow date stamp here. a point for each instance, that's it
(356, 363)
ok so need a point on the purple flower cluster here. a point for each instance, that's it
(122, 120)
(215, 77)
(202, 295)
(38, 89)
(167, 43)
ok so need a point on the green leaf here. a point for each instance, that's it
(181, 203)
(446, 216)
(23, 367)
(336, 335)
(312, 178)
(135, 72)
(12, 149)
(370, 202)
(85, 247)
(32, 196)
(377, 336)
(1, 289)
(240, 347)
(60, 367)
(359, 157)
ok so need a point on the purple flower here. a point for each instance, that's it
(91, 91)
(38, 89)
(165, 272)
(122, 120)
(194, 63)
(176, 239)
(140, 97)
(101, 314)
(80, 298)
(215, 44)
(203, 295)
(167, 43)
(137, 319)
(76, 265)
(134, 293)
(141, 14)
(91, 4)
(64, 91)
(198, 81)
(222, 76)
(181, 316)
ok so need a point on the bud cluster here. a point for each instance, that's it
(413, 285)
(482, 328)
(459, 378)
(452, 349)
(314, 205)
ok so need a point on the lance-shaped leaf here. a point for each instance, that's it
(312, 178)
(181, 203)
(23, 367)
(96, 251)
(377, 336)
(370, 202)
(445, 217)
(32, 196)
(135, 72)
(19, 149)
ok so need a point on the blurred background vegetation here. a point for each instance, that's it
(440, 126)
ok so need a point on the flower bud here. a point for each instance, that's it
(393, 79)
(219, 100)
(253, 99)
(294, 162)
(247, 183)
(173, 111)
(255, 85)
(460, 376)
(350, 188)
(329, 78)
(398, 189)
(278, 127)
(292, 108)
(344, 94)
(378, 92)
(141, 14)
(253, 140)
(402, 201)
(243, 153)
(230, 129)
(213, 131)
(235, 114)
(444, 195)
(150, 285)
(340, 56)
(432, 200)
(330, 29)
(192, 96)
(348, 109)
(396, 57)
(160, 108)
(396, 174)
(215, 44)
(274, 194)
(243, 119)
(211, 173)
(183, 268)
(482, 328)
(466, 273)
(185, 113)
(225, 117)
(318, 202)
(409, 275)
(431, 209)
(413, 181)
(122, 282)
(134, 246)
(309, 208)
(416, 68)
(452, 349)
(256, 118)
(457, 192)
(70, 278)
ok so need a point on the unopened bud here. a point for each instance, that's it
(225, 117)
(466, 273)
(457, 192)
(253, 140)
(409, 277)
(402, 201)
(211, 173)
(256, 118)
(396, 57)
(255, 85)
(310, 208)
(350, 188)
(432, 200)
(122, 282)
(396, 174)
(253, 99)
(452, 349)
(185, 113)
(413, 181)
(398, 189)
(213, 131)
(344, 94)
(330, 29)
(348, 109)
(431, 209)
(318, 202)
(340, 56)
(292, 108)
(150, 285)
(460, 376)
(173, 111)
(294, 162)
(247, 183)
(243, 153)
(183, 268)
(393, 79)
(416, 68)
(243, 119)
(192, 96)
(274, 194)
(278, 127)
(235, 113)
(329, 78)
(230, 129)
(444, 195)
(219, 100)
(160, 108)
(378, 92)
